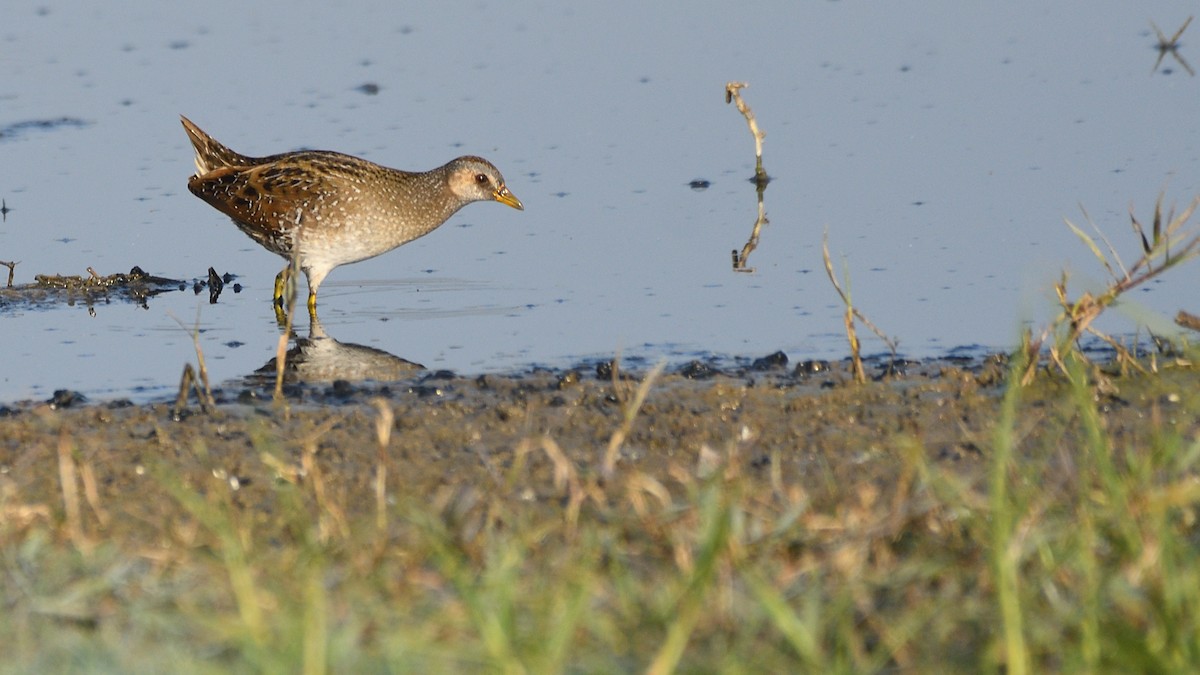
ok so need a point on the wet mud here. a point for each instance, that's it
(807, 424)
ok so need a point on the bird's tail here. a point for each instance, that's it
(211, 155)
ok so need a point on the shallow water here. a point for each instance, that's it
(941, 145)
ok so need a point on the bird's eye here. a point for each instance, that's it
(481, 178)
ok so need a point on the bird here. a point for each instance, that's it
(320, 209)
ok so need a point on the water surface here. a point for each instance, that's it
(939, 144)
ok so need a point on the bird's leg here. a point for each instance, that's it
(281, 281)
(312, 304)
(281, 317)
(277, 299)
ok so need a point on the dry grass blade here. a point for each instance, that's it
(332, 519)
(70, 492)
(566, 476)
(92, 492)
(851, 334)
(1091, 244)
(1147, 244)
(851, 314)
(194, 378)
(630, 414)
(383, 434)
(1170, 243)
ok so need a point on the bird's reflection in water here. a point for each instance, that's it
(320, 358)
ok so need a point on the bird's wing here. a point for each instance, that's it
(270, 197)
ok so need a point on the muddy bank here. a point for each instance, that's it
(411, 526)
(808, 425)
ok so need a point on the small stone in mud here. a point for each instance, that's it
(810, 367)
(894, 368)
(776, 360)
(65, 398)
(568, 379)
(698, 370)
(425, 391)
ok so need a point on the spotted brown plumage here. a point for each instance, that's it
(327, 209)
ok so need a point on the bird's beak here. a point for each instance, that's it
(503, 196)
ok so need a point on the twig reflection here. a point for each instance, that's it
(1171, 47)
(739, 259)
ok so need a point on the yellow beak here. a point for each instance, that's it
(503, 196)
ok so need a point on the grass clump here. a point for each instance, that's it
(1170, 242)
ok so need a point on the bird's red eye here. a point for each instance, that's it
(481, 178)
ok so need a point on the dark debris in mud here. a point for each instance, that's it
(547, 384)
(136, 286)
(53, 289)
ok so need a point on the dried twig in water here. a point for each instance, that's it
(733, 95)
(11, 268)
(860, 375)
